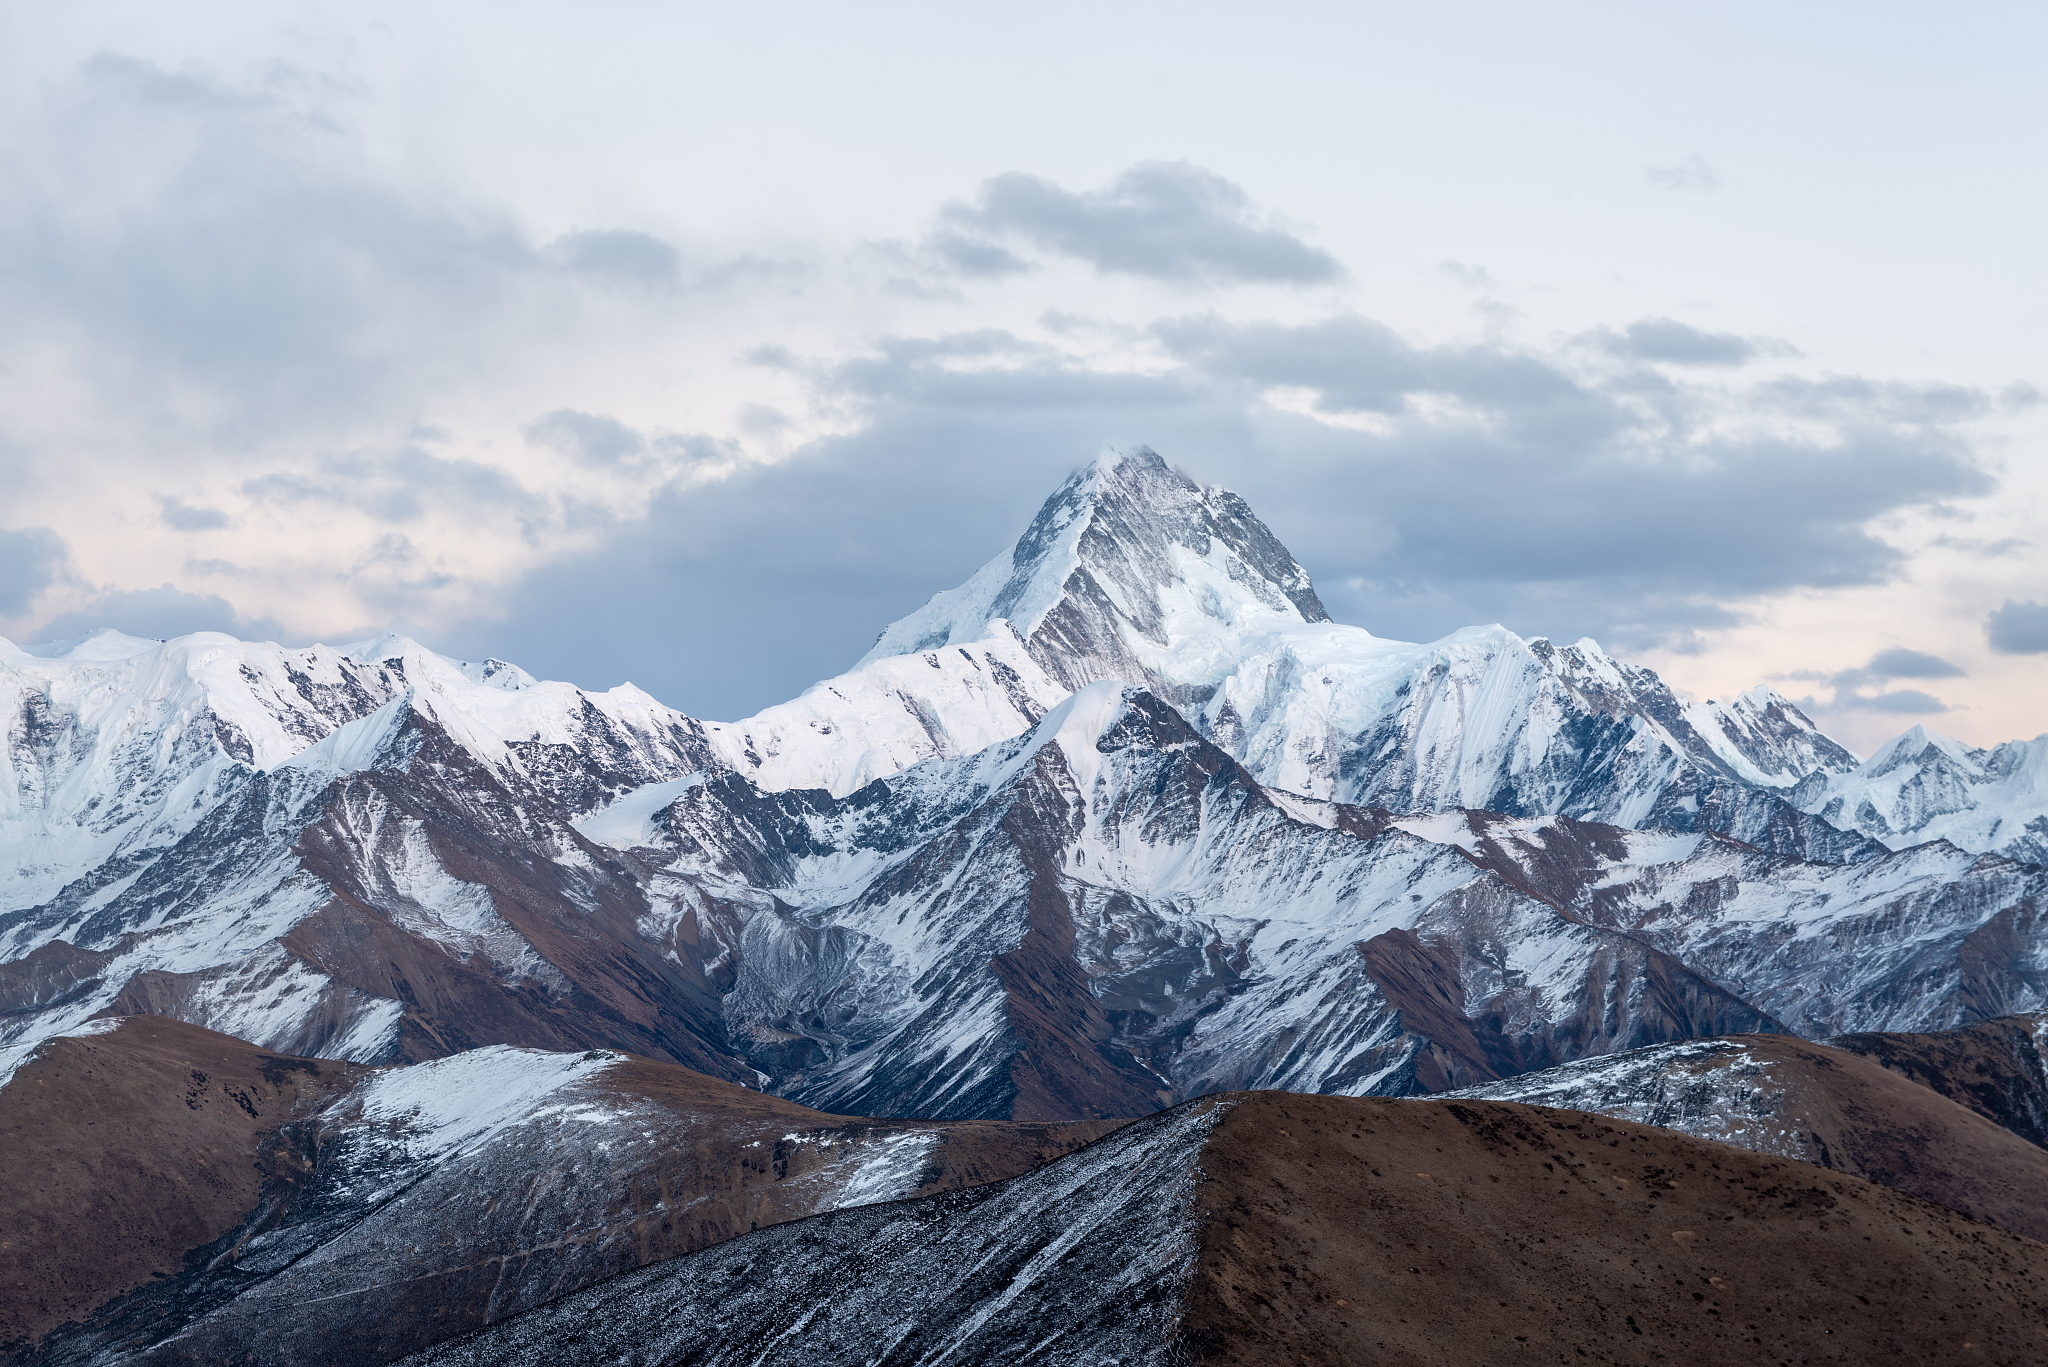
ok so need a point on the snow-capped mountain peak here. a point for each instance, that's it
(1135, 573)
(1923, 786)
(1128, 558)
(105, 644)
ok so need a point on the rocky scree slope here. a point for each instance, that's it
(178, 1196)
(1269, 1227)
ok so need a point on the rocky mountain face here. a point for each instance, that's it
(1123, 820)
(1997, 1068)
(353, 999)
(1272, 1228)
(174, 1195)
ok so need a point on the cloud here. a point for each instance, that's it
(30, 560)
(1901, 663)
(403, 485)
(204, 249)
(736, 594)
(159, 613)
(1897, 662)
(1475, 276)
(1676, 343)
(1165, 220)
(181, 516)
(620, 255)
(589, 438)
(1358, 366)
(1431, 487)
(2018, 628)
(1691, 174)
(1426, 488)
(1908, 700)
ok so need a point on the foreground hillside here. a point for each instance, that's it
(178, 1196)
(175, 1195)
(1262, 1228)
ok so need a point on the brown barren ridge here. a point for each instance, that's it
(126, 1150)
(1343, 1231)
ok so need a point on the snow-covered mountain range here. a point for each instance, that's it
(1123, 819)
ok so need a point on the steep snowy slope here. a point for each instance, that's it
(1135, 573)
(1825, 1106)
(1928, 938)
(1109, 913)
(1923, 786)
(903, 892)
(285, 1210)
(381, 895)
(1323, 1231)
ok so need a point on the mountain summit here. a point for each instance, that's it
(1135, 573)
(1129, 563)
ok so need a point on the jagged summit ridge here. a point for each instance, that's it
(1133, 572)
(1925, 786)
(1128, 553)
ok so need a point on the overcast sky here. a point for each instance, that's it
(691, 345)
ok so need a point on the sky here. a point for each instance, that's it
(691, 345)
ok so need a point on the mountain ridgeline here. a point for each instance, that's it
(1124, 820)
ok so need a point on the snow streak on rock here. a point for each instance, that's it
(1075, 1263)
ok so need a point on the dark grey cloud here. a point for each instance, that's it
(1166, 220)
(2018, 628)
(181, 516)
(1676, 343)
(30, 560)
(159, 613)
